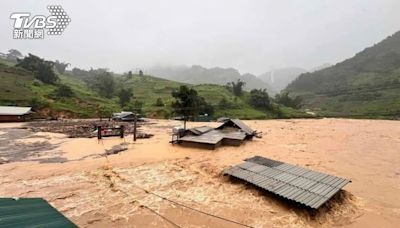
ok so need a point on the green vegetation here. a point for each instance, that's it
(99, 93)
(189, 104)
(41, 69)
(259, 99)
(64, 91)
(236, 87)
(61, 66)
(198, 75)
(285, 99)
(124, 96)
(365, 86)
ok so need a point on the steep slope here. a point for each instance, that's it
(366, 85)
(199, 75)
(280, 78)
(18, 87)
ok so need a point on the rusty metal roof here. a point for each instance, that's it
(292, 182)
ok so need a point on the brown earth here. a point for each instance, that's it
(123, 190)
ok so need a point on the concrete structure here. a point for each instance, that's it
(15, 114)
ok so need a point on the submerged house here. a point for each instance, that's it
(15, 114)
(232, 132)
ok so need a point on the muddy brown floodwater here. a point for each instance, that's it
(129, 189)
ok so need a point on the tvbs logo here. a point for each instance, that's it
(27, 27)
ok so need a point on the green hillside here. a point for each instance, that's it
(366, 85)
(200, 75)
(19, 87)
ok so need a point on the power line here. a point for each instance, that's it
(165, 218)
(193, 209)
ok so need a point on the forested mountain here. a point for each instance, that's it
(321, 67)
(200, 75)
(280, 78)
(367, 84)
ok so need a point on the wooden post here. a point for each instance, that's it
(121, 131)
(134, 128)
(98, 132)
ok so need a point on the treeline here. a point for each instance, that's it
(45, 71)
(107, 85)
(259, 99)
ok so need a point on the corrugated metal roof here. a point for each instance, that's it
(200, 130)
(30, 212)
(239, 124)
(13, 110)
(304, 186)
(213, 137)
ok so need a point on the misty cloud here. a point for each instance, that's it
(252, 36)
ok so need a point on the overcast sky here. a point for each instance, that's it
(251, 36)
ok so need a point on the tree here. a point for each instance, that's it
(236, 87)
(31, 62)
(259, 99)
(104, 110)
(61, 66)
(188, 103)
(204, 107)
(124, 96)
(14, 55)
(64, 91)
(104, 84)
(225, 104)
(42, 69)
(45, 73)
(284, 99)
(159, 102)
(135, 107)
(38, 103)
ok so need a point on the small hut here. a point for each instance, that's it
(232, 125)
(233, 132)
(15, 114)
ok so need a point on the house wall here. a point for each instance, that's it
(231, 142)
(14, 118)
(9, 118)
(200, 145)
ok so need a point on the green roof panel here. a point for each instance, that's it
(30, 212)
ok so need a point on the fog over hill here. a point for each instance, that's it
(280, 78)
(367, 83)
(200, 75)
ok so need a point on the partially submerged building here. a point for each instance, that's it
(301, 185)
(15, 114)
(232, 132)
